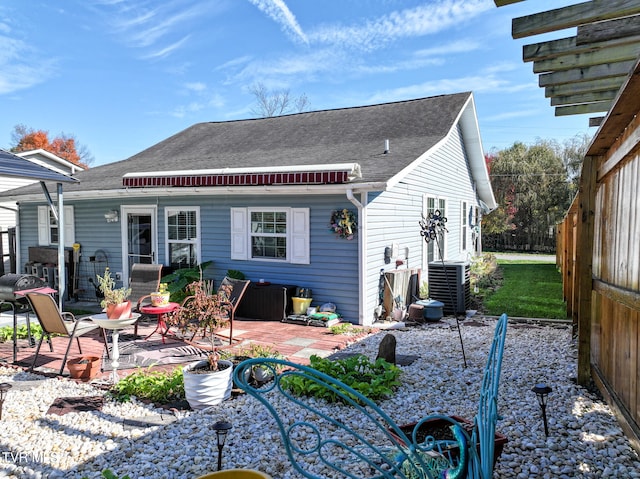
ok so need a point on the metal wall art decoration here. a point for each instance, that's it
(433, 225)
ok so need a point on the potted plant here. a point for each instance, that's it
(114, 303)
(84, 367)
(160, 297)
(207, 382)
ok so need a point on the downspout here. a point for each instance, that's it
(362, 244)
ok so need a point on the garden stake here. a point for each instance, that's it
(431, 228)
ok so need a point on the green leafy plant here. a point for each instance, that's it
(235, 274)
(6, 332)
(374, 380)
(255, 350)
(178, 281)
(156, 386)
(341, 328)
(108, 474)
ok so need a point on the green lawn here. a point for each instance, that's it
(530, 289)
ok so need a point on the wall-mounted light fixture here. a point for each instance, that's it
(111, 216)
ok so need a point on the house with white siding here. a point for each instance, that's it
(258, 196)
(8, 210)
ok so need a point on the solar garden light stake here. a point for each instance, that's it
(4, 388)
(542, 391)
(221, 428)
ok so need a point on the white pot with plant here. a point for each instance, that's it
(207, 382)
(115, 302)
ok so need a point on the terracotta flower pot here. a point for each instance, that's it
(84, 367)
(119, 311)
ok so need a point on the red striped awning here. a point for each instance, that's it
(236, 179)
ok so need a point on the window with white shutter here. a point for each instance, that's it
(274, 234)
(48, 228)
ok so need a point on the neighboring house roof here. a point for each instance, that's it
(15, 166)
(356, 135)
(64, 166)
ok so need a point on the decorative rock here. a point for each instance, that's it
(588, 444)
(387, 349)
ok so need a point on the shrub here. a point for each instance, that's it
(374, 380)
(156, 386)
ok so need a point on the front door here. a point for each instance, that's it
(139, 233)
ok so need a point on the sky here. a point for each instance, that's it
(123, 75)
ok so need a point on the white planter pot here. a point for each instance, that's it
(204, 390)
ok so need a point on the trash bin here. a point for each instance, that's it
(432, 309)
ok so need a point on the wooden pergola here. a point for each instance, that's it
(598, 71)
(582, 74)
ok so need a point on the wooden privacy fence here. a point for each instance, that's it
(599, 255)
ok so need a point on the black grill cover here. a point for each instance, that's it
(9, 283)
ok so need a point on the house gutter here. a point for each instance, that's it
(211, 190)
(362, 244)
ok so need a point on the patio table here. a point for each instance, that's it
(160, 311)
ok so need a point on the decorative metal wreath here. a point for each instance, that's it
(343, 223)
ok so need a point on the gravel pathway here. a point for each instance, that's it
(584, 440)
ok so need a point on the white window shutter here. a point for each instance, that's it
(69, 226)
(239, 234)
(43, 226)
(300, 237)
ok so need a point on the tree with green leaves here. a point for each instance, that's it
(534, 189)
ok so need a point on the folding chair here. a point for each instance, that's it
(143, 280)
(55, 322)
(238, 288)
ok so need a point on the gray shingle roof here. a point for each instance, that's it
(347, 135)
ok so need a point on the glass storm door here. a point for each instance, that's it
(139, 236)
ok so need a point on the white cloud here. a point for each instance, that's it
(19, 66)
(459, 46)
(156, 28)
(280, 13)
(476, 84)
(510, 115)
(166, 51)
(196, 86)
(422, 20)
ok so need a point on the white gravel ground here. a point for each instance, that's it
(585, 440)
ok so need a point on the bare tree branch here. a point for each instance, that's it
(276, 102)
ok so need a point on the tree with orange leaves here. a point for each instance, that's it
(64, 146)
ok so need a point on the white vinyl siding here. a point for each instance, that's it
(48, 227)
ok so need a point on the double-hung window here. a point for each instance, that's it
(435, 247)
(270, 234)
(49, 230)
(183, 236)
(463, 223)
